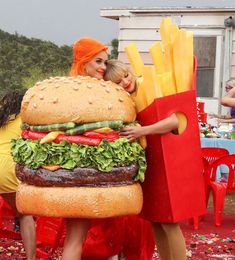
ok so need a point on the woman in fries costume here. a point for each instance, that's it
(174, 186)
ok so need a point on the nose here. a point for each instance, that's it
(125, 81)
(103, 66)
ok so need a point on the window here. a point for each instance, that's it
(205, 50)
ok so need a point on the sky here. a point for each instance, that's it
(65, 21)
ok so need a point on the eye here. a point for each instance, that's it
(118, 82)
(126, 75)
(98, 61)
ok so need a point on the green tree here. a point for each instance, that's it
(24, 61)
(114, 51)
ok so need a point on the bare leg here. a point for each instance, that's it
(28, 234)
(76, 232)
(27, 225)
(162, 242)
(176, 240)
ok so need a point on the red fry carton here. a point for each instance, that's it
(174, 185)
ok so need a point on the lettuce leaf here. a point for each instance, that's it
(104, 157)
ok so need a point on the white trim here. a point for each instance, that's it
(218, 66)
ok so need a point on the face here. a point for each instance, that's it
(97, 66)
(228, 87)
(127, 82)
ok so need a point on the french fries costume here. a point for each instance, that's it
(174, 187)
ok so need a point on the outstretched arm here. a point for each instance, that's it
(226, 120)
(161, 127)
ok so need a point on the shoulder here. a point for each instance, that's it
(15, 125)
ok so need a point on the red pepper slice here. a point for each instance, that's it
(27, 134)
(111, 136)
(78, 139)
(94, 134)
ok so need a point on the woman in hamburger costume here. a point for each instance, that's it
(70, 159)
(120, 234)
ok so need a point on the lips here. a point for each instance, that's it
(101, 72)
(128, 86)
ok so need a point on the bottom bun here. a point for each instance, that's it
(79, 202)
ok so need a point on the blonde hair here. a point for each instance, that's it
(231, 82)
(115, 70)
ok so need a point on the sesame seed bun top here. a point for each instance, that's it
(76, 99)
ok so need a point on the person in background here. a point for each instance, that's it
(229, 101)
(10, 128)
(168, 236)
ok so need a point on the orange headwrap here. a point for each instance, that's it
(83, 51)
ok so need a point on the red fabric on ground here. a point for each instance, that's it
(131, 235)
(209, 242)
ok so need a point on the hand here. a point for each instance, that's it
(132, 133)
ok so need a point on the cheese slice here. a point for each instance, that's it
(135, 59)
(51, 167)
(50, 137)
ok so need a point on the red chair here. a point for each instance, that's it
(219, 189)
(7, 212)
(209, 155)
(213, 153)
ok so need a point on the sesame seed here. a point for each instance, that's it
(103, 84)
(55, 100)
(42, 87)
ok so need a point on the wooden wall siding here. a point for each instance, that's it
(144, 55)
(136, 34)
(151, 21)
(140, 22)
(204, 19)
(143, 45)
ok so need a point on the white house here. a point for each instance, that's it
(214, 41)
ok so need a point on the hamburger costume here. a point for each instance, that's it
(97, 172)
